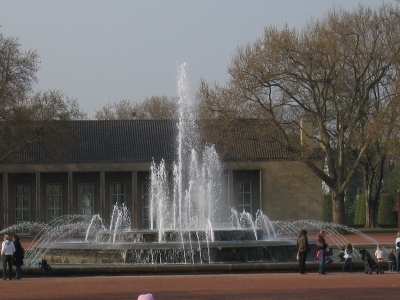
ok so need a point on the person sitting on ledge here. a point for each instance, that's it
(341, 254)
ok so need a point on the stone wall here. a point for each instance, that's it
(289, 190)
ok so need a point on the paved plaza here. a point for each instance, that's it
(236, 286)
(251, 286)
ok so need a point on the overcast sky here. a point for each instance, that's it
(101, 51)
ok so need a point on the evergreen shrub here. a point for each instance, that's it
(327, 215)
(385, 210)
(359, 218)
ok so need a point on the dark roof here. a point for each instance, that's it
(248, 140)
(114, 140)
(143, 140)
(250, 144)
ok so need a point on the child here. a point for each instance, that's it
(341, 255)
(348, 256)
(379, 253)
(392, 261)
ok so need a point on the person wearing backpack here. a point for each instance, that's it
(18, 257)
(398, 251)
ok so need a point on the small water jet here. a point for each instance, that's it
(82, 240)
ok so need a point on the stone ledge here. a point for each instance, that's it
(62, 270)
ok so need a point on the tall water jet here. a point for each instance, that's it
(194, 199)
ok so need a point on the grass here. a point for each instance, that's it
(378, 230)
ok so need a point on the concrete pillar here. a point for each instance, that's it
(306, 133)
(38, 199)
(134, 203)
(230, 188)
(5, 200)
(70, 197)
(102, 193)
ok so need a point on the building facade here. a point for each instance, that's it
(103, 163)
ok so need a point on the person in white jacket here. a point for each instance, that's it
(7, 251)
(398, 251)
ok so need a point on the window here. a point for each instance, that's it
(243, 196)
(22, 205)
(53, 201)
(85, 198)
(117, 193)
(145, 187)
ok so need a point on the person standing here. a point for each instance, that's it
(348, 256)
(18, 257)
(321, 244)
(303, 247)
(7, 251)
(379, 253)
(398, 251)
(391, 260)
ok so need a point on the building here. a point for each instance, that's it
(100, 163)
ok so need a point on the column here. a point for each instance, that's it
(5, 200)
(37, 198)
(134, 203)
(230, 187)
(70, 197)
(102, 193)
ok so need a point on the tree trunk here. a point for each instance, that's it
(338, 208)
(370, 219)
(373, 176)
(371, 204)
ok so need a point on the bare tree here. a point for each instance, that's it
(383, 134)
(122, 110)
(54, 105)
(155, 108)
(23, 116)
(17, 75)
(326, 74)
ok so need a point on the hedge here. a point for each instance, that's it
(385, 210)
(327, 208)
(359, 217)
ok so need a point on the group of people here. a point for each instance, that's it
(345, 255)
(304, 247)
(13, 254)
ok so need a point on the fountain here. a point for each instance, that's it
(190, 223)
(77, 239)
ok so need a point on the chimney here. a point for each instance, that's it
(306, 133)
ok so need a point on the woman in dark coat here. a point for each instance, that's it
(18, 258)
(303, 248)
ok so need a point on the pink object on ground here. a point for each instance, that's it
(146, 297)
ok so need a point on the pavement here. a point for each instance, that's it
(213, 286)
(230, 284)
